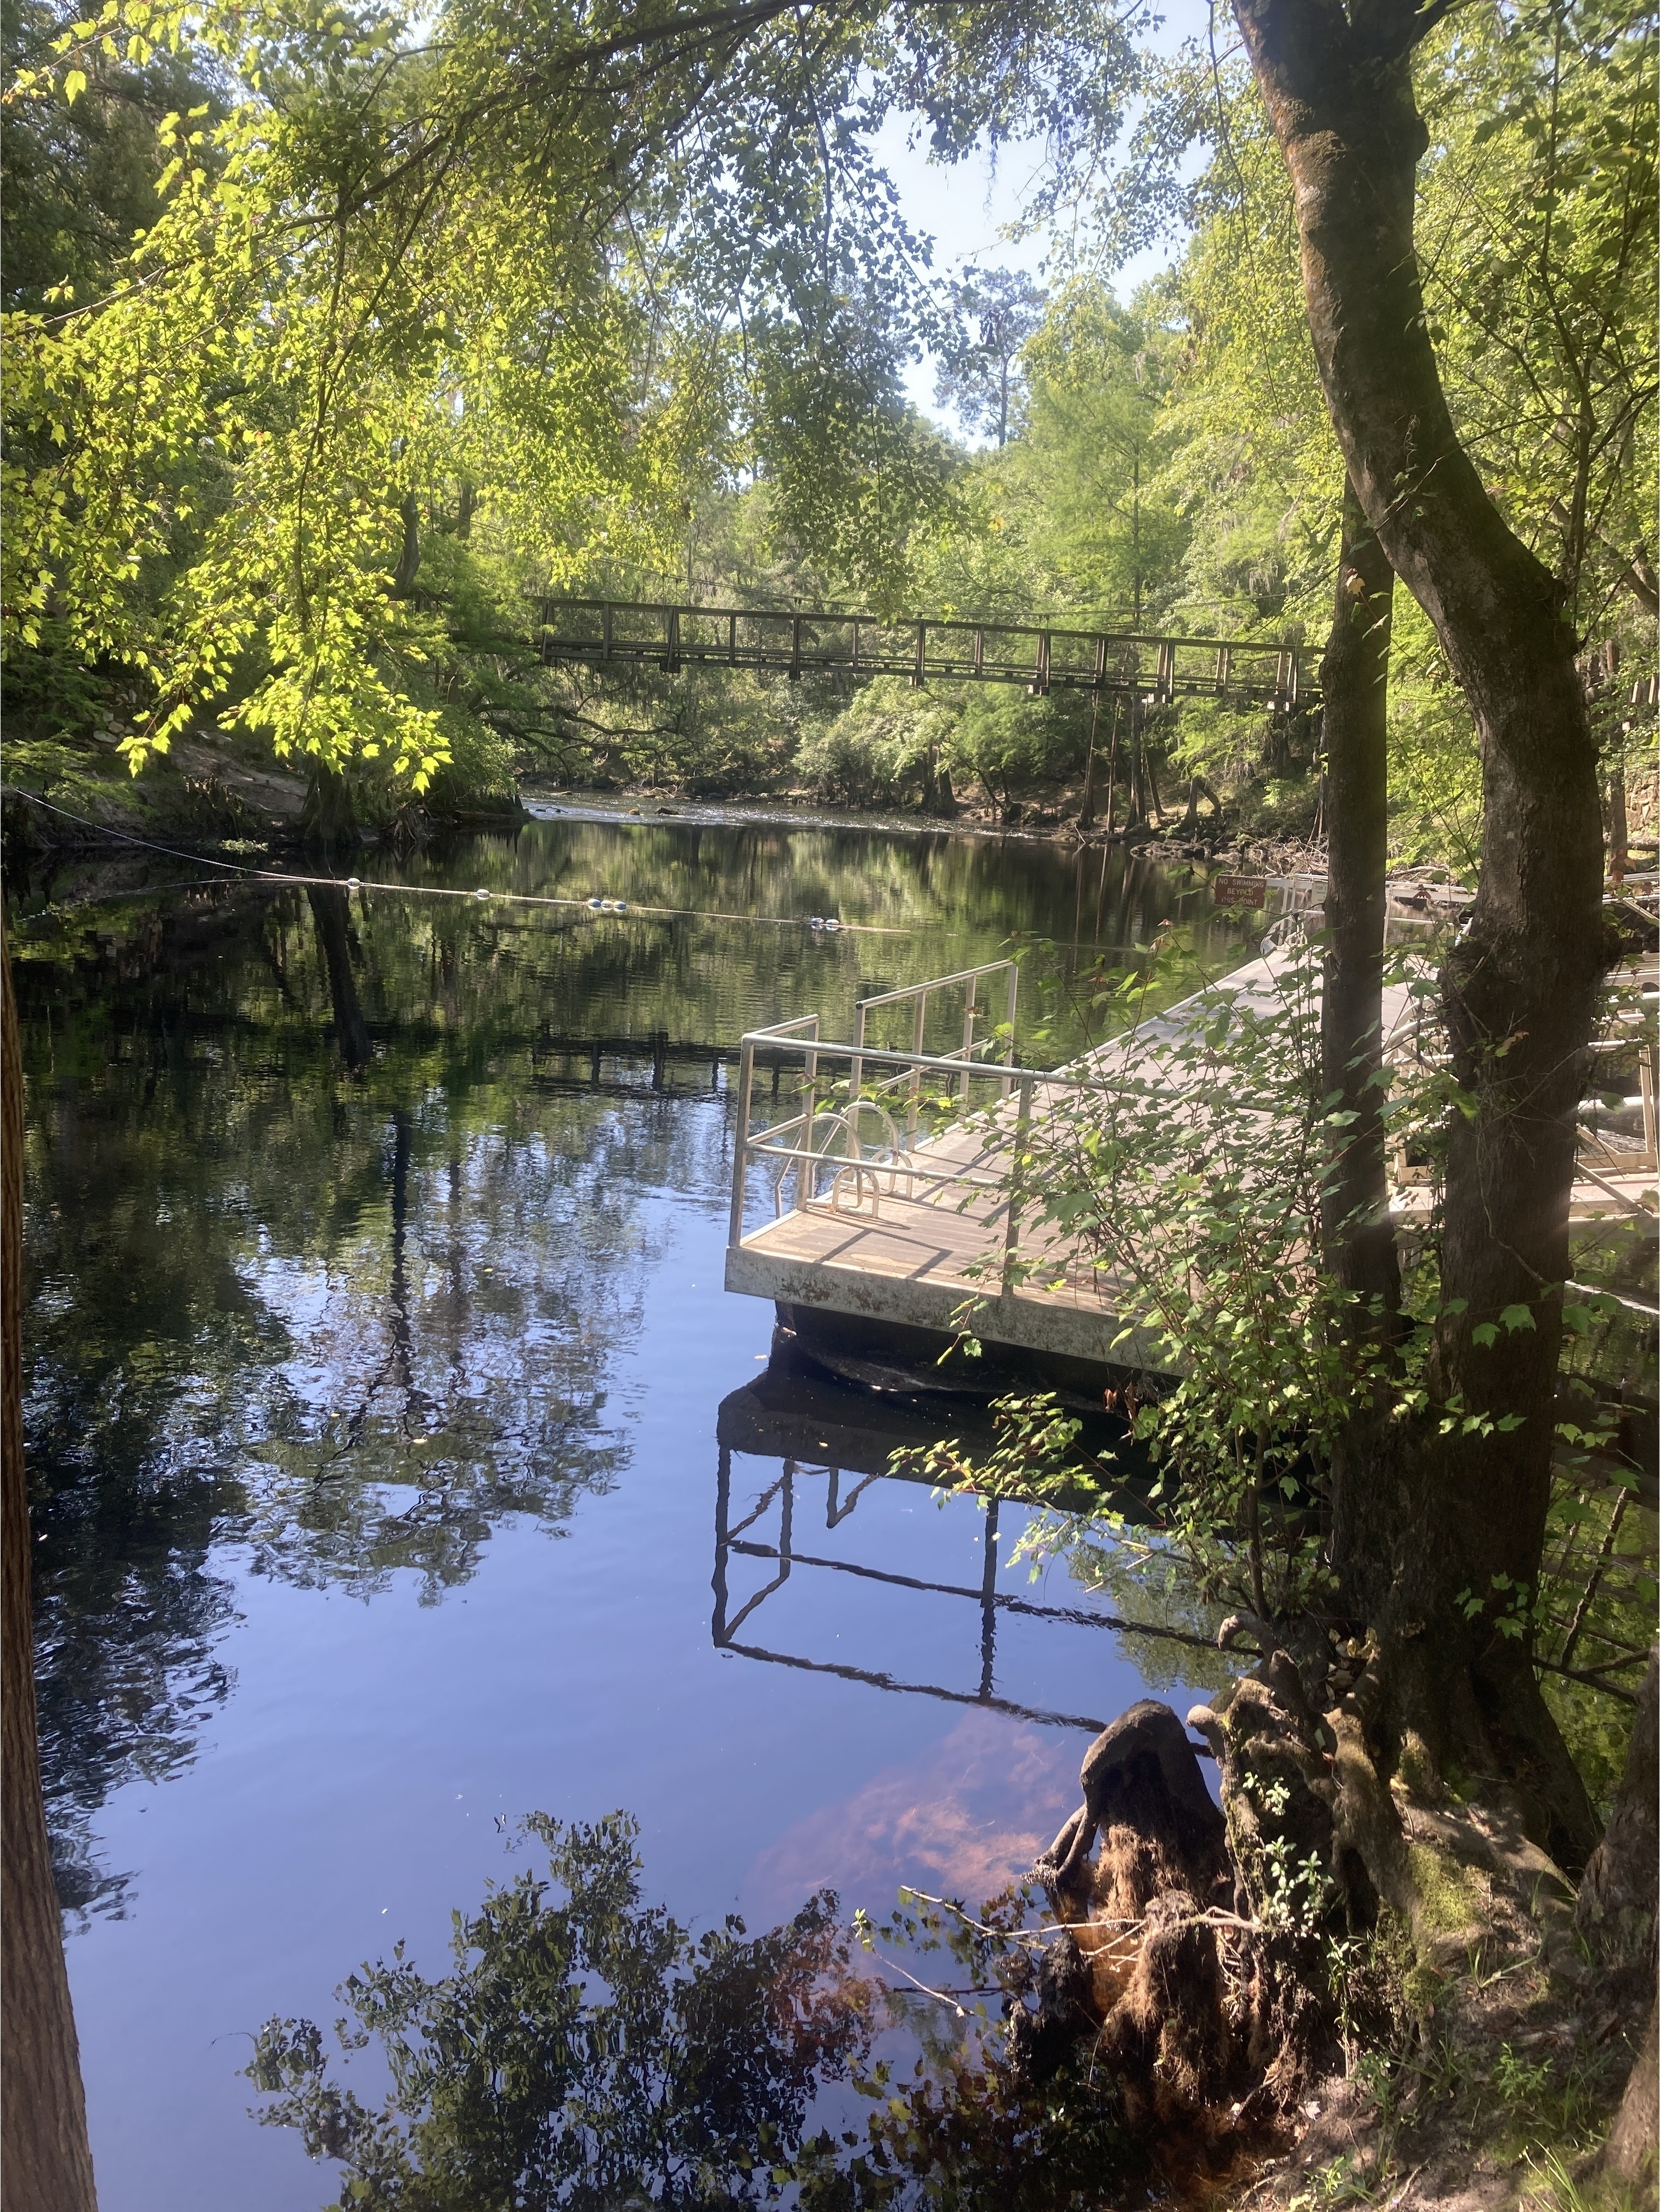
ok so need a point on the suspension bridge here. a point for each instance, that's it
(1156, 668)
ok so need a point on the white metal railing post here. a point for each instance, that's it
(806, 1173)
(740, 1157)
(856, 1073)
(1008, 1016)
(919, 1024)
(1012, 1225)
(968, 1037)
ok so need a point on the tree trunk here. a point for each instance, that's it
(1632, 2149)
(1520, 985)
(1360, 1239)
(1112, 763)
(1087, 805)
(1619, 1895)
(330, 814)
(329, 912)
(1137, 764)
(1150, 778)
(44, 2152)
(1616, 1915)
(409, 552)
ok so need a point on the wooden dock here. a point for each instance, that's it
(899, 1228)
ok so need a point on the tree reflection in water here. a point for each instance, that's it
(587, 2053)
(326, 1324)
(329, 1258)
(586, 2049)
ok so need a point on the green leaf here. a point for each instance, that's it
(1515, 1317)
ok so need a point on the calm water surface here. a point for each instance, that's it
(389, 1474)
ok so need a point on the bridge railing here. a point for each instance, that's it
(672, 636)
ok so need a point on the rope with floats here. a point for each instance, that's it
(821, 925)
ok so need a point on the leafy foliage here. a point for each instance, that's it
(994, 313)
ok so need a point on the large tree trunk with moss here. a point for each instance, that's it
(44, 2153)
(1458, 1522)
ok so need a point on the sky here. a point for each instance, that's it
(964, 208)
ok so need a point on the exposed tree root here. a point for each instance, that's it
(1340, 1930)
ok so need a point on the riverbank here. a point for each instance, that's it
(211, 799)
(1225, 849)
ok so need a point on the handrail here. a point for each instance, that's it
(922, 992)
(900, 1161)
(964, 624)
(1041, 656)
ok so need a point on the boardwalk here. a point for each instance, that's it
(906, 1245)
(796, 642)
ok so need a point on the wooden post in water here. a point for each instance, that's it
(1112, 760)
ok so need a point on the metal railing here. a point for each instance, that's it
(854, 1141)
(919, 994)
(805, 641)
(826, 1136)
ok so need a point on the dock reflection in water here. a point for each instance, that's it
(831, 1446)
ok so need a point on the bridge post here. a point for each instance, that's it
(795, 649)
(671, 648)
(606, 628)
(919, 674)
(732, 640)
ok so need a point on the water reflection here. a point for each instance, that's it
(831, 1445)
(586, 2049)
(346, 1319)
(335, 1221)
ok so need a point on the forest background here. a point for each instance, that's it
(337, 337)
(222, 543)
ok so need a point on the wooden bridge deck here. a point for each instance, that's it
(795, 643)
(911, 1254)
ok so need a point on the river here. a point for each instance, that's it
(376, 1348)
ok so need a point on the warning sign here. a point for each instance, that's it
(1241, 890)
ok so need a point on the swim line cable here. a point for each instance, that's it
(616, 908)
